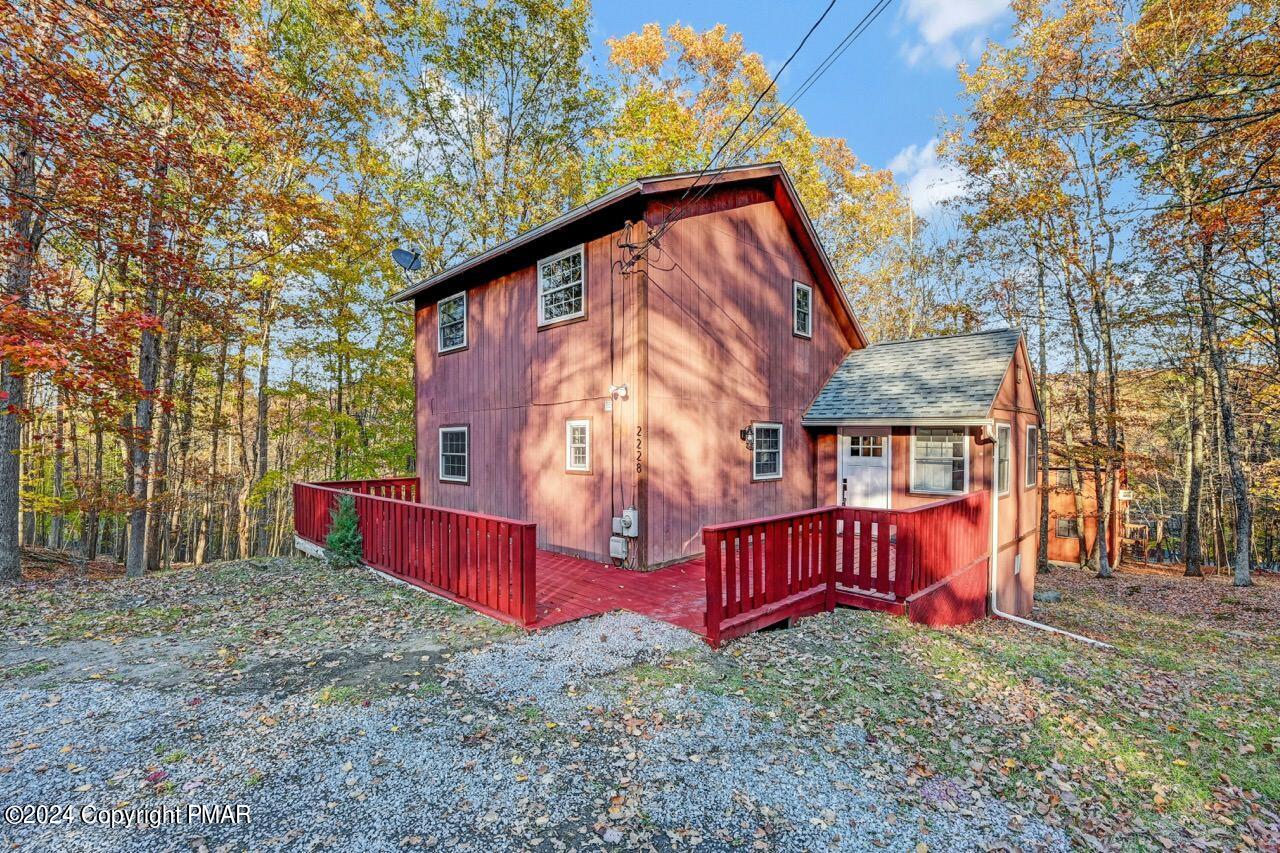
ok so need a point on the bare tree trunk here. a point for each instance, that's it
(148, 370)
(1042, 434)
(1192, 552)
(263, 513)
(206, 514)
(24, 239)
(57, 521)
(246, 469)
(158, 496)
(1230, 443)
(91, 539)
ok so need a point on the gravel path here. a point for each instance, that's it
(521, 744)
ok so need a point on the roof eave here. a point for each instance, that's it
(812, 234)
(529, 236)
(975, 419)
(640, 186)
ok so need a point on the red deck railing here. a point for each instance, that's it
(482, 561)
(765, 570)
(768, 569)
(899, 552)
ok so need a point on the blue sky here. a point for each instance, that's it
(887, 95)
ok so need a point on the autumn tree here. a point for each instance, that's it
(687, 96)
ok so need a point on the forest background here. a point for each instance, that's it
(198, 200)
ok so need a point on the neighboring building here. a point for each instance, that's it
(568, 379)
(1066, 518)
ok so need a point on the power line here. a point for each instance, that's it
(832, 57)
(773, 81)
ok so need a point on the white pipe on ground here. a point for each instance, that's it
(990, 425)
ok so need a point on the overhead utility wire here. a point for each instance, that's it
(773, 82)
(839, 50)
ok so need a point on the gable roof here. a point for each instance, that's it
(513, 252)
(925, 379)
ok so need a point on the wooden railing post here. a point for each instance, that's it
(711, 551)
(829, 522)
(528, 568)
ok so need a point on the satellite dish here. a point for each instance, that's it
(411, 261)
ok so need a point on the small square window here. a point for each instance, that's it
(802, 309)
(455, 454)
(561, 287)
(866, 445)
(766, 452)
(451, 316)
(1066, 528)
(577, 446)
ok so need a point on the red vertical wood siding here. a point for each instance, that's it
(722, 355)
(516, 385)
(1018, 512)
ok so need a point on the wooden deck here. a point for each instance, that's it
(572, 588)
(927, 562)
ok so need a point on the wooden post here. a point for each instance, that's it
(528, 568)
(829, 521)
(711, 551)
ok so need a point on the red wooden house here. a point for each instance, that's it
(666, 371)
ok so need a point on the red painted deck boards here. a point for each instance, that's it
(572, 588)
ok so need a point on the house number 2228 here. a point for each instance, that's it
(639, 449)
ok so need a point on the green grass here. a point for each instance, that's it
(25, 670)
(1149, 729)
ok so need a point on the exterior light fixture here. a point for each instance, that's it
(748, 436)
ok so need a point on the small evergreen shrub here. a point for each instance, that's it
(344, 545)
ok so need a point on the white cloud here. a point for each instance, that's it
(928, 180)
(940, 24)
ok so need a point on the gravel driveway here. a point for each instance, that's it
(518, 743)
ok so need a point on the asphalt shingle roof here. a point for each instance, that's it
(953, 377)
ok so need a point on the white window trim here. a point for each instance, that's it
(796, 287)
(440, 347)
(995, 458)
(912, 463)
(465, 430)
(568, 446)
(1031, 476)
(781, 447)
(576, 250)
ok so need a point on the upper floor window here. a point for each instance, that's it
(1002, 458)
(766, 451)
(939, 461)
(802, 309)
(562, 292)
(577, 446)
(451, 315)
(455, 454)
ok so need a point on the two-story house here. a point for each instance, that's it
(679, 353)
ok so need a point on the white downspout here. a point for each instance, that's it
(990, 426)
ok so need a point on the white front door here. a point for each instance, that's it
(864, 467)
